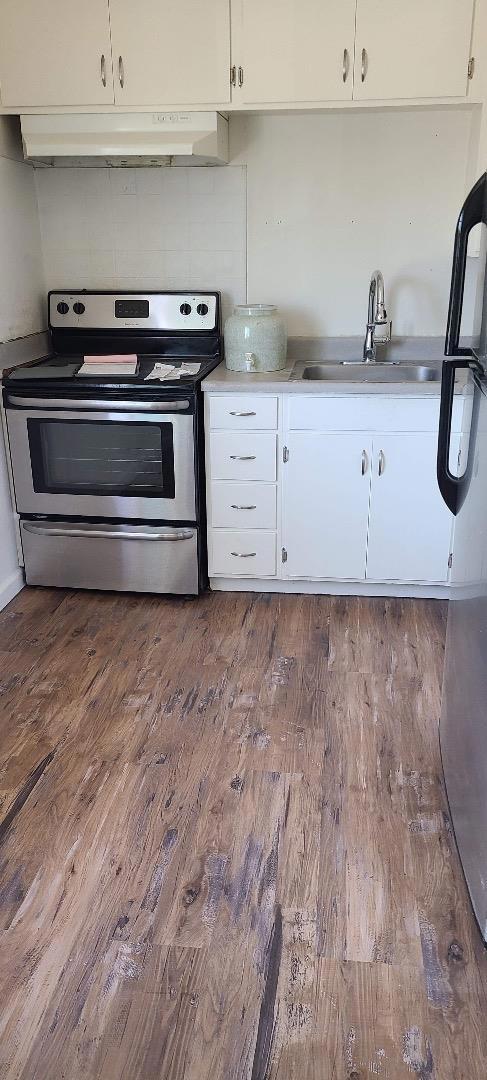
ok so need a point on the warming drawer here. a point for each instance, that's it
(123, 557)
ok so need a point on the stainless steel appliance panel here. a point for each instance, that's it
(463, 723)
(179, 506)
(172, 312)
(463, 727)
(122, 557)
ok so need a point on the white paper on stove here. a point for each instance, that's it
(161, 372)
(170, 371)
(108, 369)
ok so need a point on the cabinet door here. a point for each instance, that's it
(410, 526)
(171, 51)
(295, 50)
(55, 53)
(416, 49)
(326, 486)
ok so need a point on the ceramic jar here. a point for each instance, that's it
(255, 339)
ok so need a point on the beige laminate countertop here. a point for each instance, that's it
(221, 380)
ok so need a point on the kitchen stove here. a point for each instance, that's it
(108, 470)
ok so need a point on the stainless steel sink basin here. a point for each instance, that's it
(366, 373)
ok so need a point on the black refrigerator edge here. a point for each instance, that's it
(463, 722)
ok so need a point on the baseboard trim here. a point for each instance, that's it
(10, 587)
(331, 588)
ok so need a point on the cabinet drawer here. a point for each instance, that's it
(242, 412)
(242, 456)
(365, 412)
(242, 553)
(243, 506)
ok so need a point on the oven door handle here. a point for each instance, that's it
(78, 404)
(106, 534)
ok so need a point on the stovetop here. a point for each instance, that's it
(165, 327)
(60, 372)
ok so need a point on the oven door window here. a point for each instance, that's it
(102, 457)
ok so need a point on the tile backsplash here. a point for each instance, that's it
(145, 228)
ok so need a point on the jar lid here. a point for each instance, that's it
(255, 309)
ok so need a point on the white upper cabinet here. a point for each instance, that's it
(55, 53)
(171, 51)
(289, 51)
(412, 48)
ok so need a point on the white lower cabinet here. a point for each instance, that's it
(240, 505)
(326, 487)
(242, 553)
(410, 526)
(343, 490)
(242, 455)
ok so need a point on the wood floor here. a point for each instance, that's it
(225, 851)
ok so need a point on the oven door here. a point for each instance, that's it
(120, 460)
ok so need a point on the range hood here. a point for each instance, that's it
(102, 139)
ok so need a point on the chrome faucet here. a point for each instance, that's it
(379, 327)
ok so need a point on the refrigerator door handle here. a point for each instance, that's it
(454, 488)
(473, 212)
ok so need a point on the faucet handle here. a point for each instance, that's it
(383, 332)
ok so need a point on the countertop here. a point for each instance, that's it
(22, 350)
(428, 351)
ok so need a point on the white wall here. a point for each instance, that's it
(21, 273)
(21, 305)
(144, 228)
(330, 197)
(333, 196)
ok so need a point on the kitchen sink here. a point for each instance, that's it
(366, 373)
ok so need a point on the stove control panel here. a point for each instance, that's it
(174, 312)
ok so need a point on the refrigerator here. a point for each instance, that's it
(463, 723)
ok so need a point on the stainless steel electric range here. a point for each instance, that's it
(108, 470)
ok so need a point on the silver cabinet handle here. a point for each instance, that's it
(107, 534)
(244, 554)
(234, 506)
(346, 64)
(233, 75)
(365, 462)
(382, 463)
(243, 457)
(103, 70)
(121, 72)
(240, 76)
(81, 404)
(365, 64)
(243, 414)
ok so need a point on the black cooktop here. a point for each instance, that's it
(159, 327)
(52, 373)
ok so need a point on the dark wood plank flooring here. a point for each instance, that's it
(225, 851)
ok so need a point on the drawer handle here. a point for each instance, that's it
(243, 457)
(243, 414)
(244, 554)
(235, 507)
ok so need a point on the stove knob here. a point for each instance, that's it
(78, 308)
(185, 309)
(202, 309)
(63, 308)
